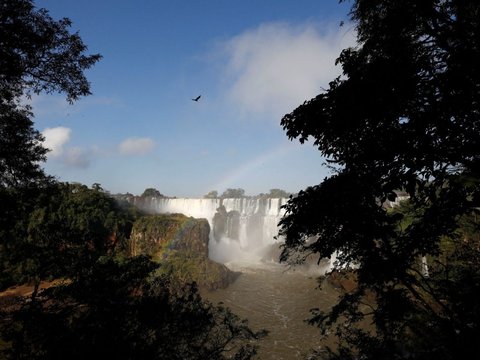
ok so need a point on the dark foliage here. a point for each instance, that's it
(274, 194)
(151, 192)
(118, 310)
(37, 54)
(211, 195)
(233, 194)
(404, 115)
(21, 150)
(57, 230)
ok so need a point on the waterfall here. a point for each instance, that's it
(257, 224)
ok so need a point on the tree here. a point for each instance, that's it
(211, 195)
(69, 227)
(278, 193)
(151, 192)
(37, 54)
(404, 115)
(97, 187)
(21, 149)
(233, 194)
(121, 310)
(274, 194)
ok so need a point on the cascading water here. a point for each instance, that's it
(250, 224)
(270, 295)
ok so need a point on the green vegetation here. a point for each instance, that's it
(185, 268)
(404, 115)
(211, 195)
(233, 194)
(180, 244)
(38, 54)
(151, 192)
(275, 194)
(240, 193)
(118, 310)
(154, 235)
(58, 231)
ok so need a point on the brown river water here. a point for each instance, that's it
(278, 299)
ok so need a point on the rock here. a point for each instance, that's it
(156, 235)
(208, 274)
(226, 224)
(219, 223)
(180, 244)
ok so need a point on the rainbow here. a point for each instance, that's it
(230, 179)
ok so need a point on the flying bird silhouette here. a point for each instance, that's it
(197, 98)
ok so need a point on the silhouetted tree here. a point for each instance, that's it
(97, 187)
(211, 195)
(120, 310)
(278, 193)
(405, 114)
(151, 192)
(21, 150)
(37, 54)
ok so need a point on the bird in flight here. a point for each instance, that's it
(197, 98)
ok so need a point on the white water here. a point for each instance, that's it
(268, 294)
(258, 224)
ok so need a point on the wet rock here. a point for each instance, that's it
(180, 244)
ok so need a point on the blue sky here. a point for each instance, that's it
(252, 62)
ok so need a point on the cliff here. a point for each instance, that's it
(180, 244)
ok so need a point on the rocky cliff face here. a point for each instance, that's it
(226, 224)
(157, 235)
(180, 243)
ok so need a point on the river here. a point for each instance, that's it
(265, 293)
(278, 299)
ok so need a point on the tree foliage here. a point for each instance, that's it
(21, 150)
(151, 192)
(275, 194)
(211, 195)
(233, 194)
(37, 54)
(67, 227)
(404, 115)
(278, 193)
(119, 310)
